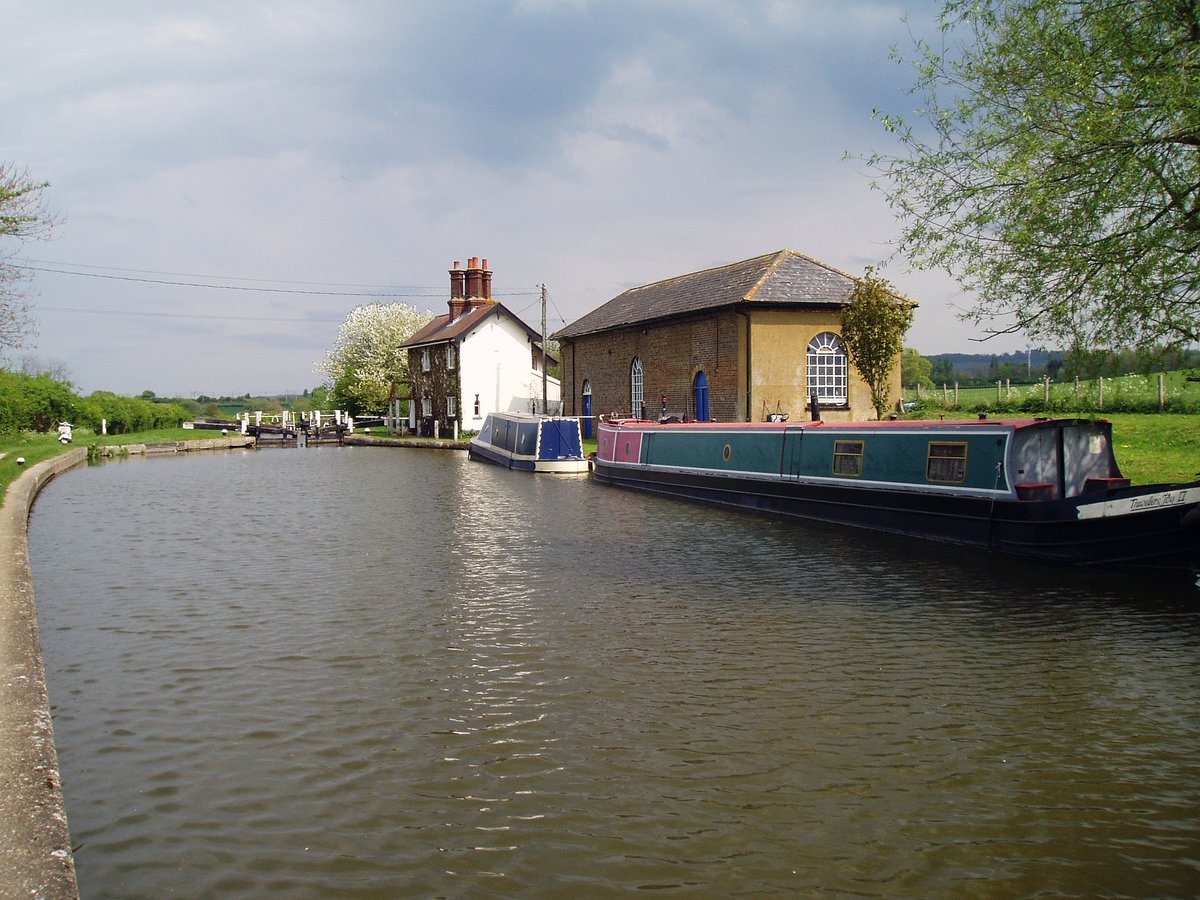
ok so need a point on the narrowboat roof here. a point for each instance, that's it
(528, 417)
(887, 424)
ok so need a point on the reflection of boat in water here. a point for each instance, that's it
(1043, 488)
(531, 443)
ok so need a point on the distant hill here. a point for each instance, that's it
(980, 364)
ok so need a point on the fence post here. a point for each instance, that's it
(1102, 392)
(1047, 391)
(956, 393)
(1162, 392)
(999, 389)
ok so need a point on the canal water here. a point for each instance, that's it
(362, 672)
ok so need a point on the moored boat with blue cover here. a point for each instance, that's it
(1043, 488)
(530, 443)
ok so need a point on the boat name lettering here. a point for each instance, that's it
(1158, 501)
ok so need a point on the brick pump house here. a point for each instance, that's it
(737, 343)
(478, 358)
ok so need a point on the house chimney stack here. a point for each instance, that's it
(457, 283)
(474, 279)
(470, 287)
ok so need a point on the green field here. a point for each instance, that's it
(1128, 393)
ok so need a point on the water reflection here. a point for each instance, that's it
(376, 673)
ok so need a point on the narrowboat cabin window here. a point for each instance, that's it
(947, 462)
(848, 458)
(527, 433)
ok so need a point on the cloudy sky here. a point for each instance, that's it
(232, 178)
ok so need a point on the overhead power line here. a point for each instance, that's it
(162, 315)
(384, 293)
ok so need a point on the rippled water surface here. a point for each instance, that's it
(369, 672)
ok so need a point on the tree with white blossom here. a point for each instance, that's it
(368, 359)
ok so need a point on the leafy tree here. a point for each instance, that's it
(23, 217)
(34, 402)
(915, 369)
(943, 371)
(874, 323)
(367, 358)
(1058, 175)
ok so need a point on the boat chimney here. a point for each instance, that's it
(814, 404)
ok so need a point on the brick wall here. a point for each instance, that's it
(672, 354)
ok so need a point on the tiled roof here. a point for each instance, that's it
(786, 278)
(440, 328)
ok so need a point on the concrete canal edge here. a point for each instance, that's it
(221, 443)
(416, 443)
(35, 843)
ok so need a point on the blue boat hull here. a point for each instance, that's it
(530, 444)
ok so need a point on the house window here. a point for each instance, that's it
(427, 407)
(477, 406)
(636, 384)
(828, 369)
(425, 360)
(451, 355)
(451, 406)
(848, 458)
(947, 462)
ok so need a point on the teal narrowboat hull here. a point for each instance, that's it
(1049, 490)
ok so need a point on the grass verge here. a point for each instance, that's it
(1157, 448)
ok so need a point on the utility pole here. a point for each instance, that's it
(545, 364)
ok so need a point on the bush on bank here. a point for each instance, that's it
(38, 403)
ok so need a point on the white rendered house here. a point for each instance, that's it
(478, 358)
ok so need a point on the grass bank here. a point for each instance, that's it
(1153, 448)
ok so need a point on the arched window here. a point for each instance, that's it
(636, 382)
(828, 369)
(701, 391)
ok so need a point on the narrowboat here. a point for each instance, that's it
(1049, 489)
(530, 443)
